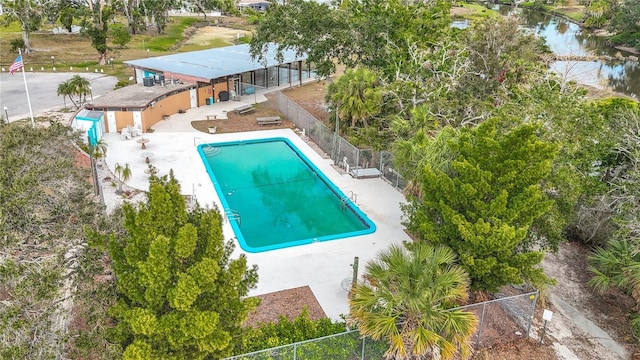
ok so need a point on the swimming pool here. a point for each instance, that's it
(274, 197)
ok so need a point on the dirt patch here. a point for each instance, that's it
(288, 303)
(524, 349)
(460, 11)
(247, 122)
(203, 35)
(311, 98)
(569, 266)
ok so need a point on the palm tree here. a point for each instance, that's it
(421, 150)
(618, 265)
(96, 152)
(124, 174)
(408, 300)
(81, 87)
(76, 86)
(65, 89)
(357, 96)
(99, 149)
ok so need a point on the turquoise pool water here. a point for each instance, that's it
(274, 197)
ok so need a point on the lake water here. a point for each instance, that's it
(566, 38)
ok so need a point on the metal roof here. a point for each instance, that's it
(86, 114)
(214, 63)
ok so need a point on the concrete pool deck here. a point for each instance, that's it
(322, 266)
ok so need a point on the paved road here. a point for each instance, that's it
(43, 88)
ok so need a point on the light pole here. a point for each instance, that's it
(111, 63)
(53, 61)
(91, 92)
(6, 114)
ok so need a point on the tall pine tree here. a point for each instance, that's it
(181, 296)
(484, 203)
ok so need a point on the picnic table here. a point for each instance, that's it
(269, 120)
(244, 109)
(212, 116)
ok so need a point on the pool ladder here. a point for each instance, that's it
(345, 200)
(207, 148)
(233, 215)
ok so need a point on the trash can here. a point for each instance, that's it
(208, 101)
(211, 101)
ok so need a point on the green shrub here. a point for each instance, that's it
(121, 84)
(244, 40)
(632, 39)
(17, 44)
(253, 20)
(284, 332)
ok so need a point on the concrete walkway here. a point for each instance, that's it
(593, 331)
(322, 266)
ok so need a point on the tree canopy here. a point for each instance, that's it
(371, 33)
(483, 202)
(28, 13)
(181, 295)
(45, 204)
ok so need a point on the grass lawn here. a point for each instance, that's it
(473, 12)
(576, 13)
(73, 52)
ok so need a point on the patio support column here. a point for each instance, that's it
(300, 71)
(266, 78)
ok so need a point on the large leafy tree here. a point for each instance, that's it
(626, 22)
(181, 294)
(407, 300)
(131, 9)
(385, 32)
(501, 58)
(307, 27)
(96, 17)
(157, 13)
(376, 34)
(484, 202)
(203, 6)
(29, 13)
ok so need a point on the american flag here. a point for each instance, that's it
(17, 65)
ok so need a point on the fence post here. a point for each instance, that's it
(362, 353)
(533, 309)
(484, 305)
(295, 350)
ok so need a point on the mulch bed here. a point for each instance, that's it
(240, 123)
(288, 303)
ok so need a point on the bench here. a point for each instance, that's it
(214, 117)
(269, 120)
(244, 109)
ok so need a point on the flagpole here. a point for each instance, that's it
(24, 76)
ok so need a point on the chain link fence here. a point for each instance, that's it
(344, 154)
(502, 320)
(344, 346)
